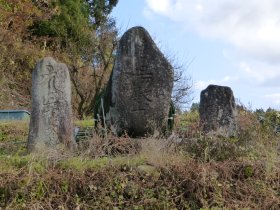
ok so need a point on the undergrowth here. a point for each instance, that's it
(183, 171)
(84, 123)
(13, 136)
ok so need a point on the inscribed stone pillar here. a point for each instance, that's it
(51, 115)
(137, 100)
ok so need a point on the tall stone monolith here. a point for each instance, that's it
(51, 115)
(137, 99)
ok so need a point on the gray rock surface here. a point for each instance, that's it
(138, 96)
(51, 115)
(218, 110)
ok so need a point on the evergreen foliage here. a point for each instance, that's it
(76, 32)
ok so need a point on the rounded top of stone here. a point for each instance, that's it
(51, 61)
(137, 28)
(214, 87)
(48, 59)
(136, 31)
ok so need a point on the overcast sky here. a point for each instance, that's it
(228, 42)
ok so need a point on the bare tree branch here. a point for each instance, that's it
(182, 84)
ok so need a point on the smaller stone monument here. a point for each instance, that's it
(217, 110)
(51, 115)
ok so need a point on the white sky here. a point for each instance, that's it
(233, 42)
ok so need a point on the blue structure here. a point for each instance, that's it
(14, 115)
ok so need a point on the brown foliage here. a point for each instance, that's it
(190, 185)
(90, 62)
(18, 52)
(105, 174)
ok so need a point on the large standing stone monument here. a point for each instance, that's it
(51, 116)
(138, 96)
(218, 110)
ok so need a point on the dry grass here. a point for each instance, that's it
(189, 173)
(13, 136)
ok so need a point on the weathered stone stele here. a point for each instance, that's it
(218, 110)
(138, 96)
(51, 115)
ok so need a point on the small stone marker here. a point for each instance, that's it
(137, 99)
(51, 115)
(218, 110)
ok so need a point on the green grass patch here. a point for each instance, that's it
(84, 123)
(13, 130)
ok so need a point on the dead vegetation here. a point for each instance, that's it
(153, 173)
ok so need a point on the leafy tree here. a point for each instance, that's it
(73, 20)
(272, 117)
(69, 21)
(194, 107)
(99, 11)
(83, 32)
(90, 77)
(76, 32)
(18, 51)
